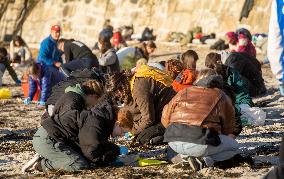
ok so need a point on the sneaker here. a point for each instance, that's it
(32, 163)
(196, 164)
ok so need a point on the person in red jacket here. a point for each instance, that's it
(187, 77)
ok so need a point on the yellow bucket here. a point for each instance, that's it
(5, 93)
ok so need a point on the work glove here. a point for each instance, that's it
(152, 135)
(27, 101)
(41, 103)
(18, 82)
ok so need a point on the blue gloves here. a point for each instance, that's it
(41, 103)
(123, 150)
(18, 82)
(27, 101)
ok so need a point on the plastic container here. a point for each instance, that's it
(5, 93)
(25, 88)
(150, 162)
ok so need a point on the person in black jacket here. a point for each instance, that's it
(76, 77)
(73, 136)
(77, 55)
(250, 70)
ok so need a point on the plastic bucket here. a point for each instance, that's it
(25, 88)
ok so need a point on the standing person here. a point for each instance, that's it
(48, 52)
(128, 56)
(5, 64)
(203, 134)
(275, 50)
(19, 51)
(44, 78)
(187, 77)
(108, 60)
(77, 55)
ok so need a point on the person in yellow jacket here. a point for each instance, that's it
(144, 94)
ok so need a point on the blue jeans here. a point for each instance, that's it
(211, 154)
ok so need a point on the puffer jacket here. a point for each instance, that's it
(201, 107)
(87, 132)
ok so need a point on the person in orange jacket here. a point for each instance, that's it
(188, 76)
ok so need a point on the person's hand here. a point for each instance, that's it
(57, 64)
(27, 101)
(18, 82)
(232, 136)
(41, 103)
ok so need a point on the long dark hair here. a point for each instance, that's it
(105, 42)
(119, 83)
(20, 40)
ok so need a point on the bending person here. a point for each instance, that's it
(77, 55)
(200, 122)
(146, 95)
(74, 137)
(44, 78)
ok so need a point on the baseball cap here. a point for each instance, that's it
(55, 28)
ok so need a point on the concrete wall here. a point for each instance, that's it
(83, 19)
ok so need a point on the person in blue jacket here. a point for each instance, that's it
(48, 52)
(43, 77)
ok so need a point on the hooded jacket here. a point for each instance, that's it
(87, 132)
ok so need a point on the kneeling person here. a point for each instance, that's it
(73, 137)
(200, 122)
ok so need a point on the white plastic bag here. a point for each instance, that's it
(252, 115)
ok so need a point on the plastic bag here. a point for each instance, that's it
(5, 93)
(252, 115)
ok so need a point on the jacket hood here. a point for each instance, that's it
(75, 89)
(212, 81)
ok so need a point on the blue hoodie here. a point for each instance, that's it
(48, 78)
(48, 52)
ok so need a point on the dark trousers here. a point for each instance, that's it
(79, 64)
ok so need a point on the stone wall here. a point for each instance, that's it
(83, 19)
